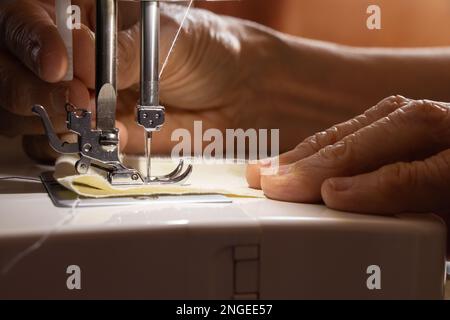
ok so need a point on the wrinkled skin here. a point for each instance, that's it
(394, 158)
(33, 60)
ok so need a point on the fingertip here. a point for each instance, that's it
(73, 92)
(79, 94)
(30, 34)
(278, 165)
(277, 188)
(290, 187)
(51, 56)
(84, 55)
(353, 195)
(253, 176)
(330, 195)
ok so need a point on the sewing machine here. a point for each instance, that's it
(100, 147)
(236, 249)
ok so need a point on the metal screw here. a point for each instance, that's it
(135, 177)
(87, 147)
(82, 168)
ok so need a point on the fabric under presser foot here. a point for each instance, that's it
(224, 179)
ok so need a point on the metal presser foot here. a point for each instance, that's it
(100, 147)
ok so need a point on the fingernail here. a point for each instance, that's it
(340, 184)
(275, 170)
(338, 149)
(35, 59)
(266, 162)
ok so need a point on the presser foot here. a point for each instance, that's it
(151, 118)
(177, 176)
(100, 149)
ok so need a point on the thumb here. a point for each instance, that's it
(128, 61)
(129, 44)
(28, 32)
(420, 186)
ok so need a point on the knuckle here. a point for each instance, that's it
(393, 178)
(324, 138)
(128, 47)
(425, 112)
(385, 107)
(320, 140)
(341, 151)
(394, 99)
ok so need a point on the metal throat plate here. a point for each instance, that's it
(65, 198)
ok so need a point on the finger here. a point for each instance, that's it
(84, 56)
(201, 70)
(128, 62)
(38, 149)
(421, 186)
(128, 41)
(413, 132)
(322, 139)
(28, 32)
(128, 45)
(20, 89)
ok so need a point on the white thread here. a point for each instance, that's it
(172, 47)
(19, 178)
(37, 244)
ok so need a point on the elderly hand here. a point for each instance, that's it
(33, 61)
(394, 158)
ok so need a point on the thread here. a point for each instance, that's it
(177, 35)
(40, 242)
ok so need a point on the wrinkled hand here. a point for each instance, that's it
(33, 60)
(205, 78)
(200, 81)
(394, 158)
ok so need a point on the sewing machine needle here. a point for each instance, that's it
(148, 154)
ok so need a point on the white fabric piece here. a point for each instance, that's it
(225, 179)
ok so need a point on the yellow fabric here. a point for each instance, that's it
(225, 179)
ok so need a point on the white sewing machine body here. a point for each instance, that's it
(248, 249)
